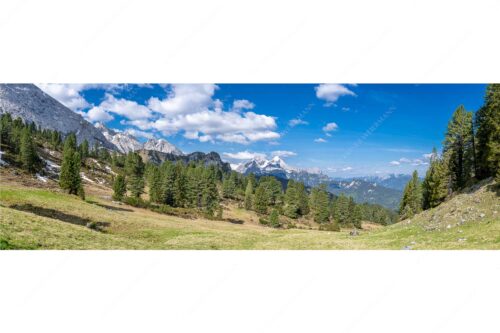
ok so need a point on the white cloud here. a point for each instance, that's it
(242, 104)
(295, 122)
(140, 134)
(97, 114)
(345, 109)
(224, 126)
(244, 155)
(404, 160)
(347, 168)
(330, 127)
(320, 140)
(126, 108)
(283, 153)
(184, 99)
(332, 92)
(67, 94)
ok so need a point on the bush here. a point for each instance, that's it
(136, 202)
(333, 226)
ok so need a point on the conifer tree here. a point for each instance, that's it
(411, 202)
(458, 148)
(119, 187)
(84, 150)
(155, 190)
(260, 199)
(69, 178)
(357, 215)
(342, 209)
(487, 123)
(320, 204)
(210, 196)
(27, 152)
(274, 220)
(434, 186)
(291, 200)
(134, 168)
(249, 195)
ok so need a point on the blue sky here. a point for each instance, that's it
(344, 130)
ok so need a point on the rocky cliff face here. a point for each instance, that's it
(31, 104)
(207, 159)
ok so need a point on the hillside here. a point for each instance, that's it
(31, 104)
(46, 218)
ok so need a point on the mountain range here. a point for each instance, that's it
(126, 142)
(385, 191)
(33, 105)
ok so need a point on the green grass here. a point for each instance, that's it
(33, 218)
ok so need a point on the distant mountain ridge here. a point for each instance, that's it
(207, 159)
(31, 104)
(126, 142)
(361, 189)
(278, 168)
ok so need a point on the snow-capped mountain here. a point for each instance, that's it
(278, 168)
(394, 181)
(123, 141)
(31, 104)
(126, 142)
(163, 146)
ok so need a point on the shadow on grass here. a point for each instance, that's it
(234, 221)
(55, 214)
(119, 209)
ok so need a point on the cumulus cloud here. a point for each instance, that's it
(244, 155)
(126, 108)
(140, 134)
(283, 153)
(330, 93)
(242, 104)
(320, 140)
(97, 114)
(404, 160)
(184, 99)
(68, 94)
(295, 122)
(330, 127)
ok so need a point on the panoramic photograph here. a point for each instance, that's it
(250, 166)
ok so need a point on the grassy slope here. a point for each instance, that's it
(456, 224)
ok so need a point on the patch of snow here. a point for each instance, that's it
(41, 178)
(86, 178)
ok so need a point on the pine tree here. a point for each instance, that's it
(27, 152)
(320, 203)
(341, 209)
(84, 150)
(155, 190)
(458, 148)
(260, 200)
(69, 178)
(487, 123)
(411, 202)
(134, 168)
(210, 196)
(274, 220)
(291, 200)
(357, 216)
(249, 195)
(119, 187)
(434, 186)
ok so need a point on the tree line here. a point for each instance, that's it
(470, 153)
(190, 186)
